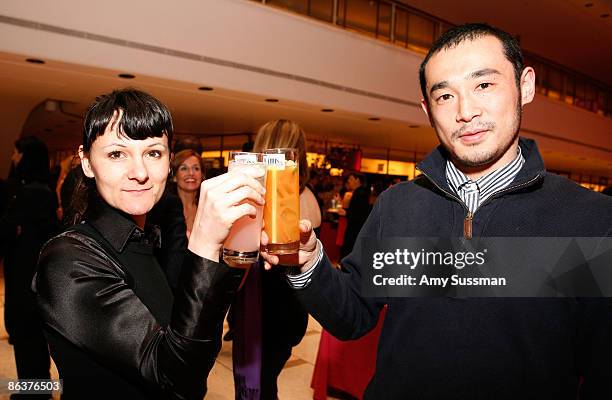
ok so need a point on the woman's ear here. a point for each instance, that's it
(85, 163)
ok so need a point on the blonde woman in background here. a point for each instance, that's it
(284, 133)
(188, 174)
(283, 321)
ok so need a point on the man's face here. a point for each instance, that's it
(474, 104)
(353, 183)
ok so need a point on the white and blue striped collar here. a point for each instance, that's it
(474, 193)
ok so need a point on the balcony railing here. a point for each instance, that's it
(410, 28)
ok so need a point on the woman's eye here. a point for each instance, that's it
(114, 155)
(155, 154)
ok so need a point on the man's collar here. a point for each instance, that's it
(116, 227)
(456, 176)
(434, 165)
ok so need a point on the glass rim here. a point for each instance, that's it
(230, 153)
(278, 150)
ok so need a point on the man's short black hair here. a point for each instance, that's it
(143, 116)
(357, 175)
(461, 33)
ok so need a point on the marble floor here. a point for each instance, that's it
(294, 381)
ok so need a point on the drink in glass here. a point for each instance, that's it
(241, 248)
(282, 208)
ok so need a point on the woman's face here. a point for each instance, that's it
(189, 175)
(130, 174)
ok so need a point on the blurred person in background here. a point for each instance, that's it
(69, 172)
(188, 174)
(357, 211)
(284, 320)
(28, 222)
(263, 345)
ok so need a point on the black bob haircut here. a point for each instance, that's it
(455, 36)
(143, 116)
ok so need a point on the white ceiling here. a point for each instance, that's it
(194, 111)
(546, 27)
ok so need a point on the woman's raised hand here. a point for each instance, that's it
(221, 204)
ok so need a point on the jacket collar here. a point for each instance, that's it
(116, 227)
(434, 165)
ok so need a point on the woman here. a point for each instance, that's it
(286, 133)
(283, 321)
(112, 325)
(187, 169)
(26, 225)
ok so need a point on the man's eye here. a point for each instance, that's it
(114, 155)
(484, 85)
(444, 97)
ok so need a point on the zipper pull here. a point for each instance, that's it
(467, 225)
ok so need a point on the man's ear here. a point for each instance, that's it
(527, 85)
(85, 164)
(427, 111)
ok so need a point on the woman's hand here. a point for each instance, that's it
(221, 204)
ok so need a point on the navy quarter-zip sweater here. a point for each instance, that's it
(477, 348)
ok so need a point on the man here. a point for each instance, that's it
(357, 211)
(482, 181)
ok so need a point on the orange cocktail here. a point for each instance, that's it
(282, 208)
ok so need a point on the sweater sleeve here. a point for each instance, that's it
(84, 297)
(333, 296)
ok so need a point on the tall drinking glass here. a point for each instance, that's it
(282, 208)
(241, 248)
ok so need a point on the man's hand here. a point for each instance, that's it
(306, 256)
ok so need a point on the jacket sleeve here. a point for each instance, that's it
(84, 297)
(333, 296)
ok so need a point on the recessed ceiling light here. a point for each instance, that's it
(604, 15)
(374, 119)
(126, 76)
(272, 100)
(327, 110)
(587, 5)
(35, 61)
(205, 88)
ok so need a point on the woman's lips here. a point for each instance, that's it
(137, 191)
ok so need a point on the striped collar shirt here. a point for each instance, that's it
(474, 193)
